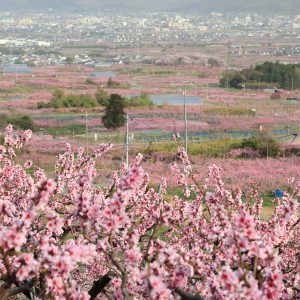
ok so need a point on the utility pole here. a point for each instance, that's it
(227, 64)
(86, 133)
(152, 66)
(207, 93)
(185, 121)
(127, 142)
(139, 65)
(16, 74)
(244, 89)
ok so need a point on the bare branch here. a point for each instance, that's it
(186, 296)
(99, 285)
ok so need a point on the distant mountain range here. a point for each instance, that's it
(260, 6)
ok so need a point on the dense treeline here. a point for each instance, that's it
(268, 74)
(60, 99)
(18, 121)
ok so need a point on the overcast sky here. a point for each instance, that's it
(279, 6)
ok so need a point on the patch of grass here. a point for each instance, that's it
(165, 72)
(67, 130)
(203, 74)
(213, 148)
(178, 191)
(268, 198)
(267, 212)
(166, 148)
(229, 111)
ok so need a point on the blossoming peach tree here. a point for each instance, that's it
(69, 238)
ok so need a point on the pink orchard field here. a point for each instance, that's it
(73, 237)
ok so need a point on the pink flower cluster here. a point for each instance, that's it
(71, 237)
(243, 153)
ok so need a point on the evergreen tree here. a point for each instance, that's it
(114, 116)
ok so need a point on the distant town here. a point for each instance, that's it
(41, 39)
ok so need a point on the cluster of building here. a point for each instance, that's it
(37, 38)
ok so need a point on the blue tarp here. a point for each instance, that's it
(279, 193)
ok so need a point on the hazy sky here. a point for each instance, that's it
(279, 6)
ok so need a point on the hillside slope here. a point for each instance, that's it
(267, 6)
